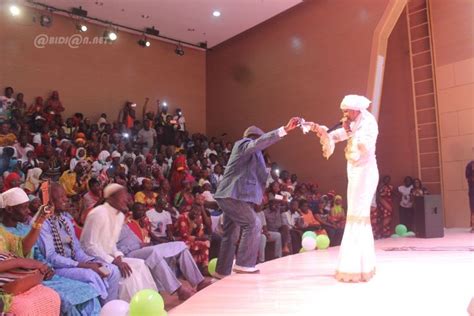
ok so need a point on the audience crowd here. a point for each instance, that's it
(133, 205)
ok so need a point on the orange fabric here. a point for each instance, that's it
(39, 300)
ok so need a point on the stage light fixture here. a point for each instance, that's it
(144, 42)
(46, 20)
(81, 27)
(14, 10)
(216, 13)
(179, 50)
(110, 35)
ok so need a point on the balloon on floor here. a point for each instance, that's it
(115, 308)
(147, 303)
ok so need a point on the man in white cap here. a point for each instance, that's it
(16, 199)
(360, 129)
(240, 190)
(99, 239)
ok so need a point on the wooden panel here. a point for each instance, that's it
(418, 18)
(423, 73)
(422, 59)
(420, 45)
(426, 101)
(415, 5)
(427, 131)
(428, 145)
(419, 31)
(427, 116)
(430, 175)
(424, 87)
(429, 160)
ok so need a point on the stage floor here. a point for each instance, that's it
(414, 277)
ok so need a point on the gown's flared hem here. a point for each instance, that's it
(354, 277)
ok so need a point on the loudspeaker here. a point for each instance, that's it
(429, 216)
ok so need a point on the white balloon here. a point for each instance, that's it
(115, 308)
(308, 243)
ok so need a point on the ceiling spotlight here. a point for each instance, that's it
(216, 13)
(81, 27)
(144, 42)
(14, 10)
(46, 20)
(179, 50)
(110, 35)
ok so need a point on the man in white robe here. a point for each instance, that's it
(360, 129)
(99, 239)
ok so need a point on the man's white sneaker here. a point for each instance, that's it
(248, 270)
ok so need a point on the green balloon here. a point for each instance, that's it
(409, 234)
(395, 236)
(401, 229)
(212, 266)
(322, 242)
(302, 250)
(147, 303)
(309, 234)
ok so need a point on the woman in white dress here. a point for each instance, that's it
(360, 129)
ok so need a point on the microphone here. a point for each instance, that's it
(338, 125)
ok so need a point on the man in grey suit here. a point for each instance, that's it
(239, 192)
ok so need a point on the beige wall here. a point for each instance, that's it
(100, 78)
(302, 63)
(453, 37)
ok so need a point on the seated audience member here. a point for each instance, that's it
(184, 199)
(293, 219)
(161, 222)
(131, 243)
(334, 233)
(337, 215)
(5, 159)
(33, 181)
(190, 228)
(100, 236)
(309, 221)
(267, 236)
(13, 180)
(38, 300)
(74, 182)
(146, 196)
(7, 138)
(76, 297)
(275, 222)
(54, 105)
(19, 104)
(101, 164)
(64, 253)
(91, 199)
(23, 146)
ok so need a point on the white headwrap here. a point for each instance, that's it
(355, 102)
(14, 196)
(112, 189)
(33, 179)
(104, 154)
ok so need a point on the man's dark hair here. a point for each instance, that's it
(93, 181)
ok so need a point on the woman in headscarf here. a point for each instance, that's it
(101, 163)
(81, 155)
(179, 171)
(337, 215)
(33, 181)
(13, 180)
